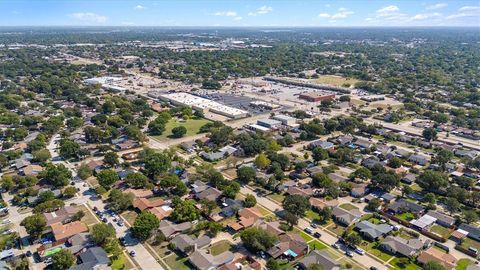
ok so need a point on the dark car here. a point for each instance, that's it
(317, 235)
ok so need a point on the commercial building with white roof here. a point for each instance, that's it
(203, 104)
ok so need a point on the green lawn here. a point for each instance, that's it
(404, 263)
(177, 263)
(348, 206)
(262, 210)
(440, 230)
(406, 216)
(220, 247)
(463, 263)
(192, 125)
(304, 235)
(277, 197)
(312, 215)
(467, 242)
(371, 248)
(120, 263)
(315, 245)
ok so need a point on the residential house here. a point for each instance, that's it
(186, 243)
(78, 242)
(202, 260)
(409, 178)
(472, 231)
(61, 232)
(32, 169)
(314, 170)
(418, 159)
(62, 215)
(436, 255)
(189, 146)
(320, 203)
(346, 217)
(343, 140)
(306, 192)
(93, 258)
(442, 219)
(423, 223)
(363, 143)
(373, 231)
(359, 190)
(371, 161)
(322, 144)
(270, 226)
(402, 206)
(145, 203)
(387, 197)
(199, 186)
(337, 178)
(231, 207)
(210, 193)
(400, 246)
(322, 258)
(170, 229)
(220, 154)
(290, 246)
(246, 218)
(140, 193)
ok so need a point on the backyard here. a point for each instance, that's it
(462, 264)
(220, 247)
(407, 216)
(178, 263)
(404, 263)
(440, 230)
(192, 125)
(348, 206)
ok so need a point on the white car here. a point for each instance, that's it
(360, 251)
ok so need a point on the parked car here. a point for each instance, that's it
(317, 235)
(313, 225)
(308, 230)
(132, 253)
(360, 251)
(336, 246)
(349, 253)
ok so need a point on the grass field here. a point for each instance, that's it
(121, 263)
(89, 218)
(467, 242)
(404, 263)
(335, 80)
(348, 206)
(463, 263)
(406, 216)
(192, 126)
(440, 230)
(177, 263)
(220, 247)
(304, 235)
(129, 216)
(277, 197)
(317, 245)
(371, 248)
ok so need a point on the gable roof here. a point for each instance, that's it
(373, 230)
(210, 193)
(203, 261)
(345, 215)
(441, 217)
(287, 244)
(61, 215)
(322, 202)
(434, 254)
(404, 204)
(184, 241)
(92, 257)
(139, 193)
(61, 231)
(144, 203)
(168, 228)
(402, 246)
(322, 258)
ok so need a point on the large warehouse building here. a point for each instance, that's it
(316, 96)
(203, 104)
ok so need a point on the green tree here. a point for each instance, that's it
(296, 204)
(430, 134)
(111, 159)
(262, 161)
(184, 211)
(250, 201)
(470, 216)
(120, 201)
(386, 181)
(101, 232)
(156, 163)
(69, 149)
(144, 226)
(84, 171)
(34, 225)
(69, 192)
(178, 132)
(373, 204)
(273, 264)
(136, 179)
(56, 175)
(246, 174)
(256, 239)
(353, 239)
(362, 173)
(452, 204)
(106, 178)
(395, 162)
(319, 154)
(63, 260)
(432, 180)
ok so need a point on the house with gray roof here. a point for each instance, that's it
(210, 193)
(93, 258)
(344, 216)
(321, 258)
(402, 206)
(373, 231)
(404, 247)
(202, 260)
(442, 219)
(186, 243)
(472, 231)
(418, 159)
(322, 144)
(169, 229)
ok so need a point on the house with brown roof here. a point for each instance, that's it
(62, 215)
(271, 227)
(211, 194)
(146, 203)
(32, 169)
(61, 232)
(140, 193)
(321, 258)
(246, 218)
(306, 192)
(436, 255)
(161, 212)
(289, 246)
(320, 203)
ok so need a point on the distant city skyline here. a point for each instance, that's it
(246, 13)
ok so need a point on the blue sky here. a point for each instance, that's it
(239, 13)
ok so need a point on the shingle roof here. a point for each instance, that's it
(322, 258)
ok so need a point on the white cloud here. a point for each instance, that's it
(465, 12)
(342, 13)
(238, 18)
(226, 13)
(261, 10)
(426, 16)
(469, 8)
(388, 9)
(89, 17)
(437, 6)
(139, 7)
